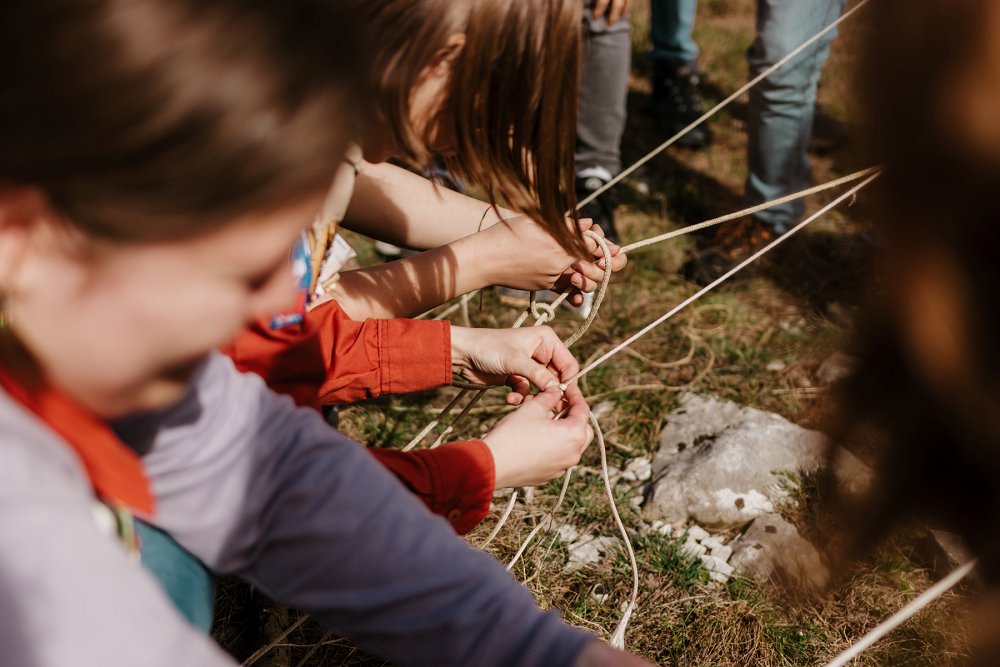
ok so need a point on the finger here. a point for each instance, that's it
(538, 374)
(576, 298)
(578, 408)
(600, 6)
(519, 384)
(544, 402)
(618, 262)
(589, 269)
(618, 8)
(562, 360)
(582, 283)
(585, 224)
(514, 398)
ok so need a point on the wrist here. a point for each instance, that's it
(460, 349)
(493, 255)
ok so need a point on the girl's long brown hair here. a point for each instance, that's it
(513, 96)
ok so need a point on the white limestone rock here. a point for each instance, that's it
(772, 551)
(722, 465)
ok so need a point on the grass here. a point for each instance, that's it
(727, 345)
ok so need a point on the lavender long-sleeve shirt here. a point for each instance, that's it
(256, 487)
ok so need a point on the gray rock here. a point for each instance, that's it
(662, 527)
(589, 549)
(837, 367)
(637, 470)
(771, 550)
(723, 552)
(692, 549)
(718, 569)
(722, 465)
(698, 533)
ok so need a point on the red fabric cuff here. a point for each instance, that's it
(464, 476)
(455, 480)
(414, 355)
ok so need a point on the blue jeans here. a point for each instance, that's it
(781, 107)
(670, 26)
(188, 583)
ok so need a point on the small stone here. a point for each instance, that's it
(723, 552)
(697, 533)
(692, 549)
(638, 470)
(718, 569)
(776, 366)
(662, 527)
(568, 533)
(712, 542)
(600, 597)
(636, 501)
(590, 549)
(837, 367)
(641, 186)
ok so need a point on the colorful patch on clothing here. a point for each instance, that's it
(302, 275)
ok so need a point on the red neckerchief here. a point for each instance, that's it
(115, 471)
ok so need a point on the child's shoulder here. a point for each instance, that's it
(33, 460)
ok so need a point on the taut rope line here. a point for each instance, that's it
(748, 211)
(901, 616)
(718, 281)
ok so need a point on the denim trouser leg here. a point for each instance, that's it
(607, 57)
(780, 112)
(670, 25)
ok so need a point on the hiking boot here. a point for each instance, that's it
(602, 209)
(676, 103)
(726, 246)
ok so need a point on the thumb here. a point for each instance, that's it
(539, 375)
(546, 401)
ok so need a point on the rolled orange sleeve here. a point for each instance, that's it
(455, 480)
(331, 358)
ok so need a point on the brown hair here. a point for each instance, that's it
(513, 97)
(152, 119)
(938, 452)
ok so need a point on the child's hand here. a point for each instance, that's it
(525, 256)
(515, 357)
(530, 446)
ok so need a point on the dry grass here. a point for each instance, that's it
(791, 310)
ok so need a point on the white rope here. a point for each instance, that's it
(749, 211)
(545, 521)
(711, 112)
(503, 519)
(718, 281)
(901, 616)
(618, 636)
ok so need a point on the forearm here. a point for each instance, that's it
(392, 204)
(252, 486)
(413, 285)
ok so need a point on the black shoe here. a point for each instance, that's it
(602, 209)
(725, 246)
(676, 103)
